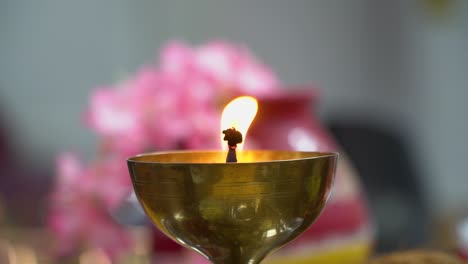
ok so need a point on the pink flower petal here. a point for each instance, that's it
(175, 57)
(68, 169)
(256, 80)
(219, 60)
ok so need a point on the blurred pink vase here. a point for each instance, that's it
(343, 233)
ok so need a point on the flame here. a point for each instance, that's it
(239, 114)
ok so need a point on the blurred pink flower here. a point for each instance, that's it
(235, 68)
(114, 116)
(176, 58)
(79, 210)
(177, 104)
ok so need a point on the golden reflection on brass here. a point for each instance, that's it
(233, 212)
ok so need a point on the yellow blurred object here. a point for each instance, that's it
(417, 257)
(94, 256)
(25, 254)
(357, 253)
(439, 8)
(7, 253)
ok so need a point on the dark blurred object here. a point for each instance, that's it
(22, 185)
(391, 182)
(6, 156)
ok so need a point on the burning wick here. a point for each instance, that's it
(233, 137)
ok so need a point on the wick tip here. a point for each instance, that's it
(232, 136)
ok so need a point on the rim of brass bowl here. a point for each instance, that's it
(218, 156)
